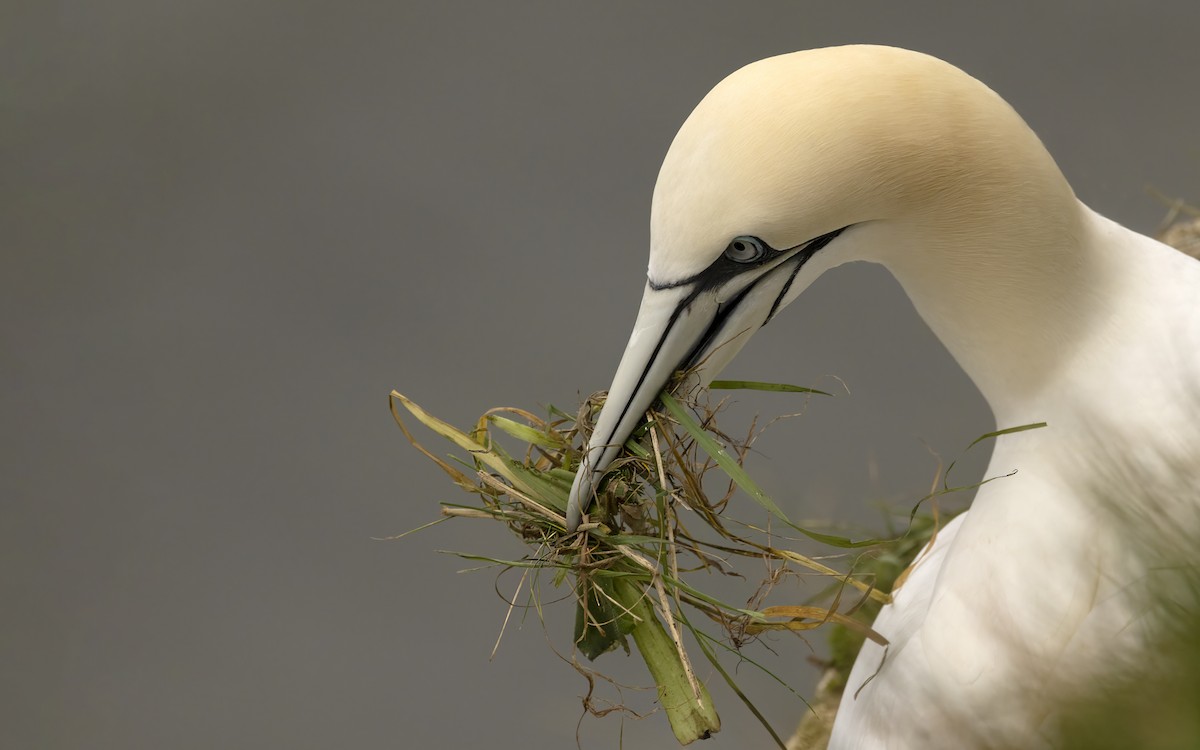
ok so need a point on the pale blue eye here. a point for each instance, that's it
(744, 250)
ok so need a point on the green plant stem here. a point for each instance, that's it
(689, 710)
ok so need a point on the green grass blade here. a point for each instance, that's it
(526, 433)
(757, 385)
(1006, 431)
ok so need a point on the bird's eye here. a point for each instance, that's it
(745, 250)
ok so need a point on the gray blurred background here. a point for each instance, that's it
(230, 228)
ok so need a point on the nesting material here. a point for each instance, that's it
(634, 566)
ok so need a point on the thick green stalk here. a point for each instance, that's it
(689, 710)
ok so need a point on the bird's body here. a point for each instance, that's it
(1043, 591)
(800, 163)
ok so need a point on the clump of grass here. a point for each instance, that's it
(630, 568)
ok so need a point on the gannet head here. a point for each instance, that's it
(788, 167)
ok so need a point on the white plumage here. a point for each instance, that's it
(802, 162)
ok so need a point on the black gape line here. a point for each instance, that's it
(801, 258)
(722, 270)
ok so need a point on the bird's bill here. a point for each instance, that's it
(677, 327)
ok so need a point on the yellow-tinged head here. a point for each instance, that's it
(798, 163)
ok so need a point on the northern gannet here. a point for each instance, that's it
(802, 162)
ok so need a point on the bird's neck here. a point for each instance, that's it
(1013, 297)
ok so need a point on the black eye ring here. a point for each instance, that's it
(745, 249)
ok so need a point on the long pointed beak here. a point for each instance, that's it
(677, 327)
(669, 325)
